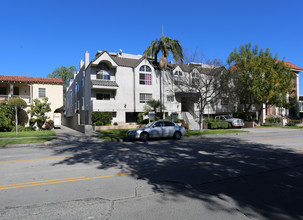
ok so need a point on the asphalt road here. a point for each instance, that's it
(258, 175)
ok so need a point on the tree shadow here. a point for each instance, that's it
(263, 181)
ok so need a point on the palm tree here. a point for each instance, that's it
(164, 45)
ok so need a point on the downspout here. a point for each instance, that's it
(134, 88)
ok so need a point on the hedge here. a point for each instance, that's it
(216, 125)
(101, 118)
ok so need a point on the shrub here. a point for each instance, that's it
(209, 120)
(49, 125)
(101, 118)
(273, 120)
(29, 129)
(293, 123)
(115, 123)
(216, 125)
(20, 128)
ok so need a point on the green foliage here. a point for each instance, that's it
(28, 129)
(258, 77)
(273, 120)
(217, 125)
(293, 122)
(20, 128)
(140, 117)
(115, 123)
(17, 102)
(66, 74)
(209, 120)
(38, 111)
(101, 118)
(7, 117)
(164, 45)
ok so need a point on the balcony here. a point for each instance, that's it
(5, 98)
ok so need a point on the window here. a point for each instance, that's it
(145, 75)
(102, 96)
(41, 92)
(83, 101)
(168, 124)
(103, 71)
(178, 78)
(224, 101)
(2, 90)
(170, 98)
(195, 78)
(16, 90)
(82, 81)
(145, 97)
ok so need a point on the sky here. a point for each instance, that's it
(36, 37)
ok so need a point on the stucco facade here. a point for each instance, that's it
(30, 88)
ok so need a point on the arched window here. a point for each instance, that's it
(145, 77)
(178, 77)
(103, 71)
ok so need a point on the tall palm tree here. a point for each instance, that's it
(164, 45)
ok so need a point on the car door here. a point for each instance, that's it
(156, 130)
(168, 129)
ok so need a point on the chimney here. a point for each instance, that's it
(86, 60)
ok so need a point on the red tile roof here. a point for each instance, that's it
(293, 66)
(27, 79)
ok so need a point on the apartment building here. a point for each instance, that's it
(30, 88)
(122, 84)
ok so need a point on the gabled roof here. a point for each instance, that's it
(127, 62)
(28, 79)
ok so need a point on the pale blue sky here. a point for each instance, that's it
(39, 36)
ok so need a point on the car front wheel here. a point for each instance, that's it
(144, 136)
(177, 135)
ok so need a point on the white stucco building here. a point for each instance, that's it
(122, 84)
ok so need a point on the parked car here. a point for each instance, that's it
(157, 129)
(232, 122)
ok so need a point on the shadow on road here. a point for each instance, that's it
(264, 181)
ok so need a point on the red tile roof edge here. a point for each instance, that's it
(29, 79)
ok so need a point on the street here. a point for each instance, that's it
(255, 175)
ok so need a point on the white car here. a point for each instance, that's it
(157, 129)
(232, 122)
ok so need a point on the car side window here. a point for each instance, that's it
(158, 124)
(168, 124)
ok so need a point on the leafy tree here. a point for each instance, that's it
(6, 117)
(164, 46)
(155, 105)
(38, 111)
(17, 104)
(257, 77)
(66, 74)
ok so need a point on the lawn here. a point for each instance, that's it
(27, 134)
(24, 140)
(293, 127)
(118, 134)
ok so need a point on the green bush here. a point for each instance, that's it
(293, 122)
(29, 129)
(273, 120)
(217, 125)
(101, 118)
(20, 128)
(209, 120)
(115, 123)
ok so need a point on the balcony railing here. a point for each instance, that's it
(5, 98)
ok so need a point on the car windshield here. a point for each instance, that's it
(227, 117)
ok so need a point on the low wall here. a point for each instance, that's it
(73, 123)
(98, 128)
(249, 124)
